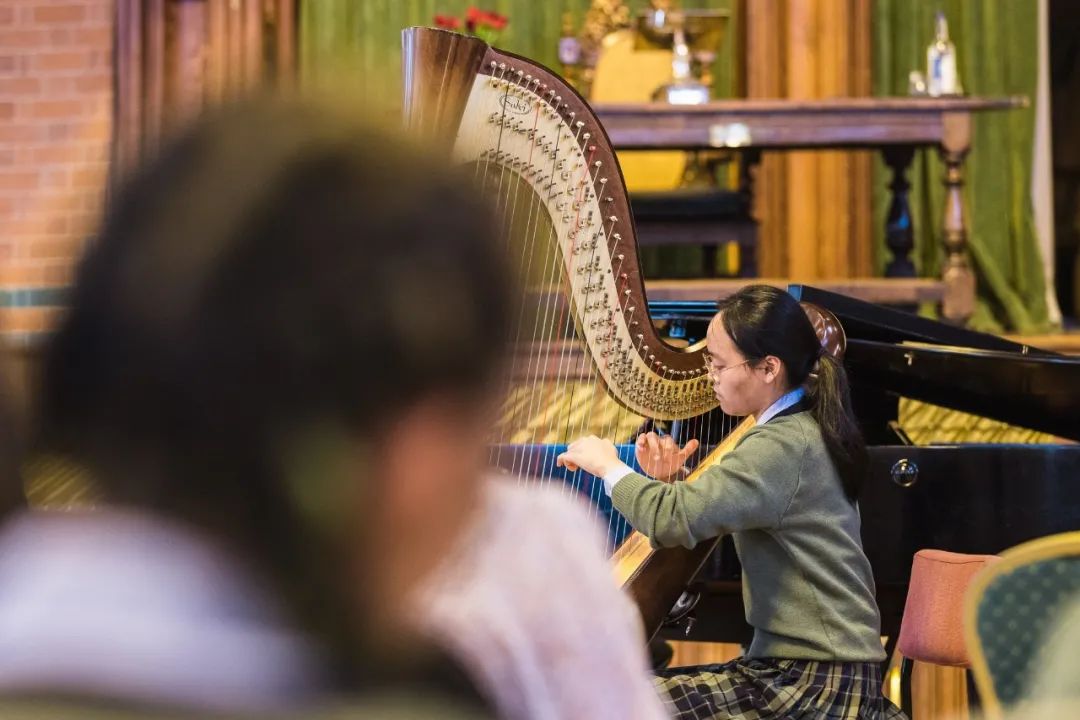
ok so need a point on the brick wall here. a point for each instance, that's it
(55, 115)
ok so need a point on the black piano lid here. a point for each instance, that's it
(1033, 391)
(973, 372)
(903, 354)
(867, 321)
(862, 320)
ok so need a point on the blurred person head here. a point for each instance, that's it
(285, 336)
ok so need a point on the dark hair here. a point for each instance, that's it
(763, 320)
(277, 271)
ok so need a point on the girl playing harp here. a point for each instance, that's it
(786, 493)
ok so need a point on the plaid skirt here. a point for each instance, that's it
(765, 688)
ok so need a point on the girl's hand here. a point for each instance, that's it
(592, 454)
(660, 457)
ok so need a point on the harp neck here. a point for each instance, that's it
(507, 112)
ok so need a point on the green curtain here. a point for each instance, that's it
(353, 47)
(997, 54)
(358, 42)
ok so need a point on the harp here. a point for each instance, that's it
(587, 357)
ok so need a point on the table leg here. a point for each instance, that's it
(899, 234)
(959, 301)
(749, 164)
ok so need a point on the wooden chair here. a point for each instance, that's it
(1011, 611)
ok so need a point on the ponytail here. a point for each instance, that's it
(830, 403)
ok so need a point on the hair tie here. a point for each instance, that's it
(815, 368)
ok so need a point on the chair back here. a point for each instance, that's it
(932, 627)
(1011, 612)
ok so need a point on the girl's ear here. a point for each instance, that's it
(773, 368)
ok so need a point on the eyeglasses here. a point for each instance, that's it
(713, 371)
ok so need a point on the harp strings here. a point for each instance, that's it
(555, 387)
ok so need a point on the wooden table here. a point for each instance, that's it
(895, 126)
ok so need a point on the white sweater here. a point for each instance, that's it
(528, 602)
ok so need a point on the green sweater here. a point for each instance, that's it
(807, 585)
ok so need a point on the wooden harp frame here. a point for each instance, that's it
(550, 137)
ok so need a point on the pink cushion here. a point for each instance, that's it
(933, 626)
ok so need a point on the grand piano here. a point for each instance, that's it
(969, 498)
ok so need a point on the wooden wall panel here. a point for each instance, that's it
(234, 47)
(186, 49)
(285, 12)
(217, 49)
(153, 75)
(766, 24)
(127, 84)
(813, 208)
(251, 42)
(861, 196)
(801, 64)
(833, 228)
(176, 57)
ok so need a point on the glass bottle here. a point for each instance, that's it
(941, 77)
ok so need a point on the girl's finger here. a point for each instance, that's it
(691, 446)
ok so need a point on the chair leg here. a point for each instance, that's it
(906, 666)
(660, 653)
(974, 701)
(890, 648)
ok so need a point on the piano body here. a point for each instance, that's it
(962, 497)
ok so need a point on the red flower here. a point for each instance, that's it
(482, 23)
(494, 20)
(447, 22)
